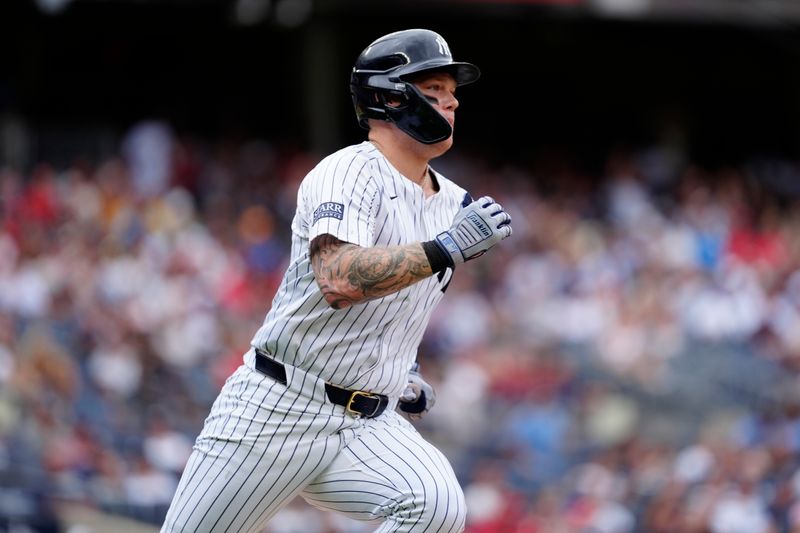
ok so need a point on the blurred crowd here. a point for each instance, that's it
(628, 362)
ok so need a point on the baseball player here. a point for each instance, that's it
(376, 238)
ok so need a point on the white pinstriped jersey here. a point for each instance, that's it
(357, 196)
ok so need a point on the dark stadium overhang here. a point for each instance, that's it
(744, 12)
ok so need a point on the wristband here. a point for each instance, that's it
(438, 258)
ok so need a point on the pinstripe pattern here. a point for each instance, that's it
(261, 444)
(389, 471)
(369, 346)
(265, 442)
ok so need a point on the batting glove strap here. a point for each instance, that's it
(419, 396)
(420, 405)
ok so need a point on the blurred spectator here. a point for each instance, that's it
(147, 148)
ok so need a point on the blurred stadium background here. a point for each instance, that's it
(628, 362)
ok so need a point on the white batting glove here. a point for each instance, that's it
(477, 227)
(418, 397)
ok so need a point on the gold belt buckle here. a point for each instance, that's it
(357, 393)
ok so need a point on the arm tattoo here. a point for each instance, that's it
(349, 274)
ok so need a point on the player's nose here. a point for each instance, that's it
(450, 102)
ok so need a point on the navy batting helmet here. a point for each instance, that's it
(385, 68)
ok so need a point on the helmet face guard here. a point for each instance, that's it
(381, 78)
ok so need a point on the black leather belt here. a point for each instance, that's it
(356, 402)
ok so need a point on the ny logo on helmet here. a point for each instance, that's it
(443, 48)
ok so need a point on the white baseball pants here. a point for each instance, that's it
(263, 443)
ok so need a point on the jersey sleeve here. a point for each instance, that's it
(340, 198)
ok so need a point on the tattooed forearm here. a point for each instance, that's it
(383, 271)
(349, 274)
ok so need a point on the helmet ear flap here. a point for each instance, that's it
(393, 99)
(368, 104)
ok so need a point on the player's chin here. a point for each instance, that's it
(443, 146)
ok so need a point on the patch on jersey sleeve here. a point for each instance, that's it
(329, 210)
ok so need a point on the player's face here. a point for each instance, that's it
(440, 90)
